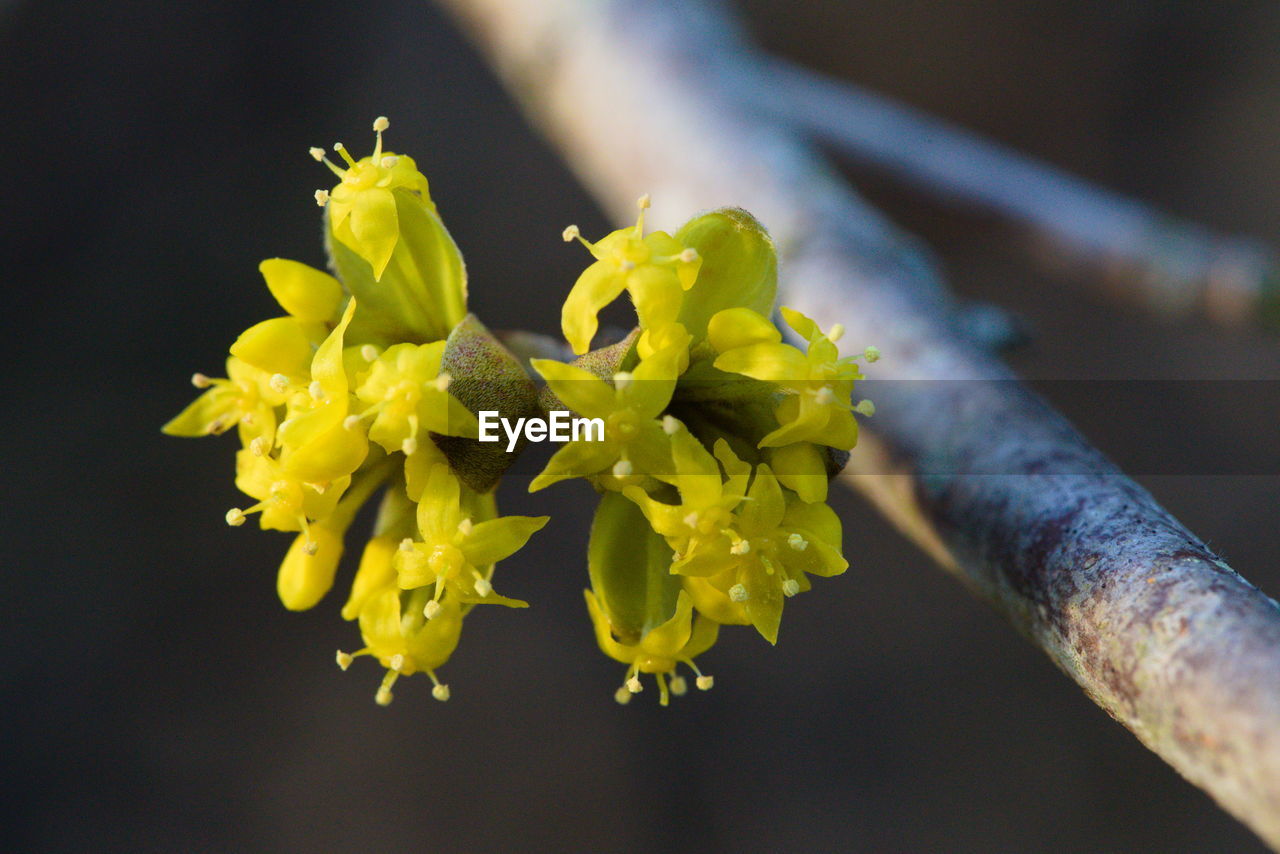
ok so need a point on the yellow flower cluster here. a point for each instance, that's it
(348, 395)
(718, 439)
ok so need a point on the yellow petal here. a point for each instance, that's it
(303, 291)
(579, 389)
(498, 539)
(771, 362)
(599, 285)
(740, 327)
(375, 227)
(305, 578)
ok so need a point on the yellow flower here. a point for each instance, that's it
(406, 642)
(819, 383)
(362, 207)
(286, 502)
(654, 269)
(455, 553)
(677, 641)
(634, 442)
(774, 543)
(406, 392)
(246, 399)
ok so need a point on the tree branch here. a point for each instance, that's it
(658, 97)
(1168, 265)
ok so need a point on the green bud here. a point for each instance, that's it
(739, 267)
(630, 569)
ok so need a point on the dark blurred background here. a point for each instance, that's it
(157, 696)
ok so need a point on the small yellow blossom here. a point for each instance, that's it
(406, 392)
(245, 399)
(819, 383)
(677, 641)
(655, 269)
(404, 641)
(362, 207)
(457, 554)
(634, 441)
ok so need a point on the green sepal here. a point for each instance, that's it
(630, 569)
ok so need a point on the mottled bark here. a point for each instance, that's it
(656, 97)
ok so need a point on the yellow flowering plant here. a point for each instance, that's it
(713, 446)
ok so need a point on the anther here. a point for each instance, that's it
(351, 422)
(689, 255)
(322, 197)
(316, 390)
(465, 526)
(790, 587)
(634, 686)
(871, 354)
(623, 468)
(310, 547)
(865, 407)
(369, 352)
(389, 161)
(741, 547)
(440, 692)
(279, 383)
(705, 683)
(258, 447)
(691, 520)
(679, 687)
(570, 234)
(643, 202)
(797, 542)
(383, 697)
(317, 153)
(344, 659)
(406, 545)
(483, 588)
(627, 266)
(621, 380)
(431, 609)
(380, 124)
(409, 446)
(824, 396)
(670, 425)
(622, 696)
(396, 662)
(738, 593)
(443, 381)
(235, 517)
(201, 381)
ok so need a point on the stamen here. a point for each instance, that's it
(865, 407)
(622, 696)
(310, 548)
(443, 381)
(824, 396)
(705, 683)
(235, 517)
(692, 519)
(351, 422)
(380, 124)
(384, 696)
(643, 202)
(316, 390)
(406, 545)
(397, 662)
(679, 687)
(441, 693)
(389, 161)
(633, 684)
(836, 332)
(623, 468)
(790, 587)
(317, 153)
(431, 609)
(871, 354)
(689, 255)
(409, 446)
(670, 425)
(279, 383)
(483, 587)
(797, 542)
(738, 593)
(621, 380)
(369, 352)
(465, 526)
(664, 696)
(570, 233)
(259, 446)
(344, 659)
(201, 381)
(342, 151)
(741, 547)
